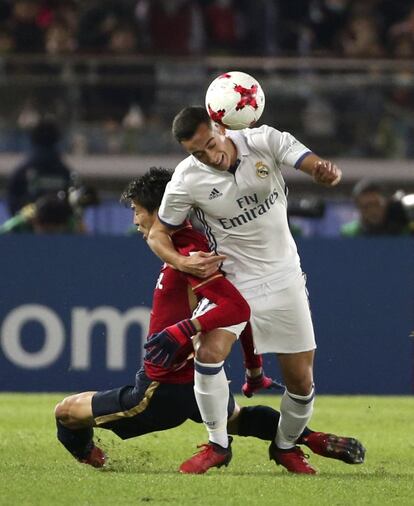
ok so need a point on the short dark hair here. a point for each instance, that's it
(366, 186)
(188, 120)
(148, 189)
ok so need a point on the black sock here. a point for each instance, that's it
(262, 422)
(258, 421)
(77, 441)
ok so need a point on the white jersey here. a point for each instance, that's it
(244, 214)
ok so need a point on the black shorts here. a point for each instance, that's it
(149, 406)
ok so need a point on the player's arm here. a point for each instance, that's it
(175, 206)
(200, 263)
(322, 171)
(286, 149)
(159, 240)
(231, 308)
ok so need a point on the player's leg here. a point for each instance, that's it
(211, 454)
(346, 449)
(282, 324)
(210, 383)
(211, 387)
(148, 406)
(254, 421)
(297, 401)
(262, 422)
(296, 409)
(74, 422)
(255, 377)
(75, 411)
(211, 391)
(129, 411)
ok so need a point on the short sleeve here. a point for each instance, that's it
(176, 203)
(285, 147)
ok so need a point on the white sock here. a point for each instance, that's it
(295, 413)
(212, 394)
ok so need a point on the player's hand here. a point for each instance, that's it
(164, 348)
(201, 264)
(253, 385)
(326, 173)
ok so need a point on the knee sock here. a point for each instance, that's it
(295, 412)
(212, 394)
(77, 441)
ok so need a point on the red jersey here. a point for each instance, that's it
(171, 303)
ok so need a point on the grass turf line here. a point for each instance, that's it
(36, 470)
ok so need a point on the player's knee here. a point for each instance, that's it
(207, 356)
(215, 346)
(62, 410)
(210, 354)
(58, 411)
(67, 411)
(300, 385)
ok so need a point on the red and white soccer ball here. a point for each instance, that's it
(235, 100)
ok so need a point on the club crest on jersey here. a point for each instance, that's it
(262, 170)
(214, 194)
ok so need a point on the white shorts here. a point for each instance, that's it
(205, 305)
(281, 319)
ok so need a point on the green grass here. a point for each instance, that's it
(36, 470)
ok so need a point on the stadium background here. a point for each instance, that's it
(338, 74)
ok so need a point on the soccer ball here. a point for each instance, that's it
(235, 100)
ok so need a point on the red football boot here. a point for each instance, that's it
(346, 449)
(211, 455)
(293, 459)
(95, 458)
(253, 384)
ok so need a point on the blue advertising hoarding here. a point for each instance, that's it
(74, 313)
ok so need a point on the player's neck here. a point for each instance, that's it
(233, 155)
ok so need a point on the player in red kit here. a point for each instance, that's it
(163, 395)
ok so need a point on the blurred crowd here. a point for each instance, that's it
(350, 28)
(125, 105)
(112, 109)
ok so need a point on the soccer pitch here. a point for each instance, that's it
(36, 470)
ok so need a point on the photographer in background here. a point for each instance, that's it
(59, 213)
(378, 215)
(50, 214)
(42, 172)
